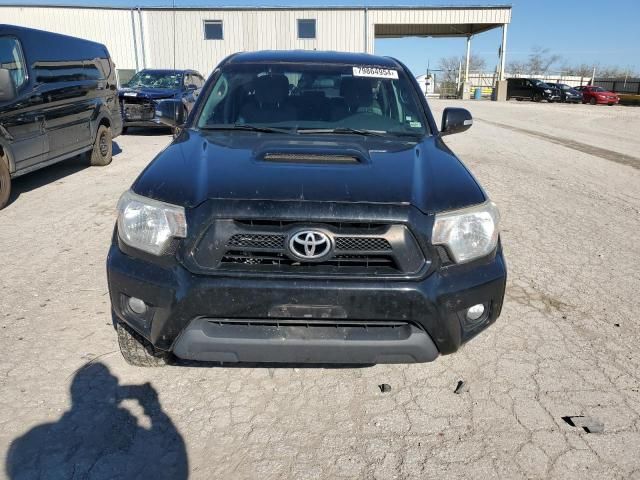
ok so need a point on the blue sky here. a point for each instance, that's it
(581, 31)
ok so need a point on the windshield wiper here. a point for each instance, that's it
(343, 130)
(405, 133)
(251, 128)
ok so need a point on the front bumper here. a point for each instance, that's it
(607, 101)
(154, 123)
(236, 319)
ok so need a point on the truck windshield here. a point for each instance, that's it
(320, 98)
(151, 79)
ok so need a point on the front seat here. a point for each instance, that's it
(358, 96)
(270, 102)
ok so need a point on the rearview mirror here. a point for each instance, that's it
(171, 112)
(455, 120)
(7, 86)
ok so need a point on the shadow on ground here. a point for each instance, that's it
(51, 174)
(99, 437)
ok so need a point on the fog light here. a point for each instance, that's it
(475, 312)
(137, 306)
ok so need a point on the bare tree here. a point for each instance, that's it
(540, 60)
(582, 70)
(450, 66)
(517, 68)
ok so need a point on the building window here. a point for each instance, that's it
(307, 28)
(213, 29)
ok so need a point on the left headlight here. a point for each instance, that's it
(469, 233)
(149, 225)
(547, 91)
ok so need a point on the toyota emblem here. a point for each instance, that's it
(310, 244)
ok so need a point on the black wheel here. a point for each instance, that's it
(125, 130)
(536, 97)
(102, 147)
(137, 350)
(592, 101)
(5, 183)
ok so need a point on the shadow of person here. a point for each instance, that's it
(101, 438)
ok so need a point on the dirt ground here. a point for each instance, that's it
(567, 180)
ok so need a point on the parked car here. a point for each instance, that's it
(531, 89)
(568, 94)
(58, 99)
(595, 95)
(139, 97)
(308, 211)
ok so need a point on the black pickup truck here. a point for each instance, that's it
(308, 211)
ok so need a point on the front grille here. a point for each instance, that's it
(256, 241)
(260, 241)
(280, 260)
(261, 246)
(138, 110)
(362, 243)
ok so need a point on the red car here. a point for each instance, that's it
(595, 95)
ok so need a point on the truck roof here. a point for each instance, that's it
(312, 56)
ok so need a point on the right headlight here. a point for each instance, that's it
(149, 225)
(469, 233)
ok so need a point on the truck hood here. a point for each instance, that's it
(201, 165)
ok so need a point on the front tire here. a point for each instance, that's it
(537, 97)
(593, 101)
(137, 350)
(102, 147)
(5, 183)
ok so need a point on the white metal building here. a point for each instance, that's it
(200, 37)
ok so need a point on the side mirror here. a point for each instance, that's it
(192, 86)
(455, 120)
(171, 112)
(7, 86)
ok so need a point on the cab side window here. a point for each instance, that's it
(11, 58)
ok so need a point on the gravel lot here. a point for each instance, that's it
(567, 179)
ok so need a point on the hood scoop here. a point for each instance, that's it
(314, 158)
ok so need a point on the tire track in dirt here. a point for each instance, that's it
(610, 155)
